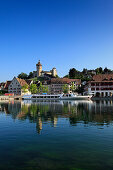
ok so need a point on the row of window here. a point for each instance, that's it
(15, 89)
(93, 89)
(102, 84)
(11, 86)
(43, 97)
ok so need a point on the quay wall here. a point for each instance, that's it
(2, 98)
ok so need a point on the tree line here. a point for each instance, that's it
(85, 74)
(25, 76)
(33, 88)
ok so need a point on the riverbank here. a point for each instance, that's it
(7, 98)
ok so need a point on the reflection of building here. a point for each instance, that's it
(55, 119)
(101, 85)
(99, 112)
(39, 125)
(40, 73)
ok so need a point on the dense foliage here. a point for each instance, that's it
(25, 76)
(33, 88)
(85, 74)
(42, 88)
(25, 88)
(65, 88)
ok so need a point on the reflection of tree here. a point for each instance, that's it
(40, 113)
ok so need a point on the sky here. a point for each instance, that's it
(60, 33)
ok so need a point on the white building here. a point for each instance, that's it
(100, 86)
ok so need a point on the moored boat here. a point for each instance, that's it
(56, 97)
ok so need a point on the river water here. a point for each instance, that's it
(63, 135)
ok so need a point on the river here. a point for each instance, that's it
(63, 135)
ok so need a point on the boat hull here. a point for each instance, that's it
(58, 98)
(76, 98)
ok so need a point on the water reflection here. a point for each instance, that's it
(87, 112)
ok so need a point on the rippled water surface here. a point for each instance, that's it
(74, 135)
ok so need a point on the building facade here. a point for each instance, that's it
(100, 86)
(2, 86)
(16, 86)
(58, 83)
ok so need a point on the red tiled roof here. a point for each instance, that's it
(21, 81)
(103, 77)
(7, 84)
(64, 80)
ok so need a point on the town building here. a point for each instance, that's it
(100, 86)
(7, 85)
(58, 83)
(29, 82)
(2, 86)
(41, 73)
(16, 86)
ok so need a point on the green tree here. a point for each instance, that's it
(80, 89)
(30, 75)
(23, 76)
(73, 73)
(57, 76)
(33, 88)
(97, 70)
(106, 70)
(65, 88)
(72, 87)
(25, 88)
(100, 70)
(45, 89)
(42, 88)
(84, 71)
(66, 76)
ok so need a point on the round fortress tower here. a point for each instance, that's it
(54, 72)
(39, 68)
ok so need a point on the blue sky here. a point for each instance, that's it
(61, 33)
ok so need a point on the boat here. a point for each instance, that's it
(62, 96)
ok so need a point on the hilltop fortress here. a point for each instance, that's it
(41, 73)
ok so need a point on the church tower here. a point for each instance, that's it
(39, 68)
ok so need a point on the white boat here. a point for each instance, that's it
(56, 97)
